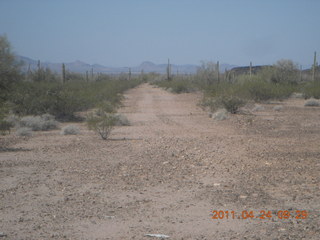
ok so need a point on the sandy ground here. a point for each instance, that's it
(166, 174)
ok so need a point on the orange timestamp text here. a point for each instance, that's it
(262, 214)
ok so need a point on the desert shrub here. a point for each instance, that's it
(12, 119)
(297, 95)
(9, 69)
(178, 84)
(231, 103)
(312, 103)
(65, 100)
(39, 123)
(285, 71)
(247, 89)
(220, 114)
(225, 95)
(312, 89)
(5, 124)
(24, 132)
(277, 108)
(121, 120)
(260, 90)
(102, 124)
(70, 130)
(258, 108)
(5, 127)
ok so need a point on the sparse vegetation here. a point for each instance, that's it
(275, 82)
(9, 75)
(65, 100)
(39, 123)
(24, 132)
(258, 108)
(121, 120)
(312, 103)
(231, 103)
(101, 122)
(70, 130)
(42, 91)
(178, 84)
(278, 108)
(5, 127)
(220, 114)
(312, 89)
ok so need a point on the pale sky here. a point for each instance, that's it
(127, 32)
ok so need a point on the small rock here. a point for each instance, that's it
(157, 235)
(2, 234)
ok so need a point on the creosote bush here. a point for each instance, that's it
(102, 122)
(231, 103)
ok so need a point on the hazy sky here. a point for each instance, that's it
(127, 32)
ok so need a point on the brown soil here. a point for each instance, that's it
(165, 174)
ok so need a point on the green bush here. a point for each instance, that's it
(231, 103)
(312, 90)
(178, 84)
(5, 126)
(102, 123)
(65, 100)
(260, 90)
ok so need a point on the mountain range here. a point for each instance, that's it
(82, 67)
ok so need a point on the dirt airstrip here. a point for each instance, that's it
(166, 174)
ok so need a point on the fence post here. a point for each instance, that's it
(218, 71)
(169, 70)
(63, 73)
(314, 66)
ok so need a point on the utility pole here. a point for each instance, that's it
(129, 74)
(87, 76)
(250, 70)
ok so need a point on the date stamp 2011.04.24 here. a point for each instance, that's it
(260, 214)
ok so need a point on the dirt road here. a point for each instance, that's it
(166, 173)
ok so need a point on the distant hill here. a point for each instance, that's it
(82, 67)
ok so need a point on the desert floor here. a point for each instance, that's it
(166, 174)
